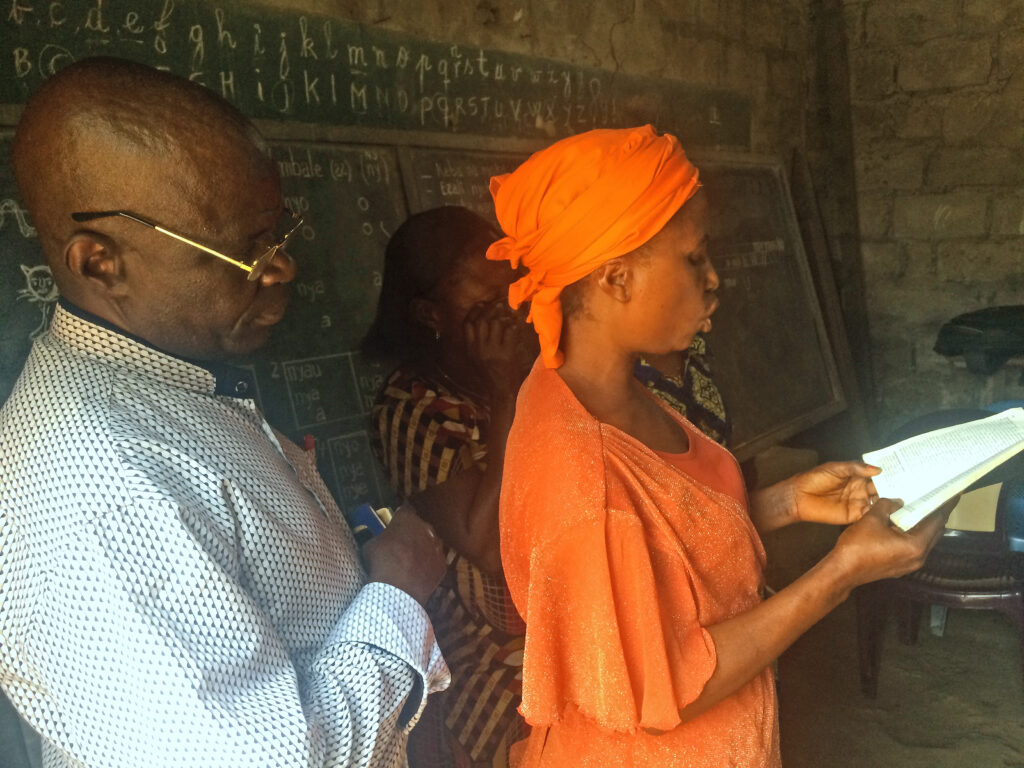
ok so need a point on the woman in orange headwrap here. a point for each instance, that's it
(628, 540)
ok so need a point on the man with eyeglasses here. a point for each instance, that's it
(177, 587)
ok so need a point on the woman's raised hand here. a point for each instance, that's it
(493, 334)
(837, 493)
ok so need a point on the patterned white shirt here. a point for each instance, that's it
(177, 586)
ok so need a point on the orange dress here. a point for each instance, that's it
(619, 560)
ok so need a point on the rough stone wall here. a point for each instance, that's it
(937, 101)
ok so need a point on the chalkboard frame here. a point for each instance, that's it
(836, 400)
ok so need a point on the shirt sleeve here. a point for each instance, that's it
(153, 653)
(386, 632)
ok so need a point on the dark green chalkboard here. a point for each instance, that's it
(356, 169)
(311, 68)
(27, 292)
(455, 177)
(310, 378)
(771, 354)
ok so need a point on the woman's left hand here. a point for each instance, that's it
(838, 493)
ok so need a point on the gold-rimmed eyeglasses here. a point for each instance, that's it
(288, 226)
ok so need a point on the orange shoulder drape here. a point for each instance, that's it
(618, 562)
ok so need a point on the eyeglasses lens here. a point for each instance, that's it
(286, 226)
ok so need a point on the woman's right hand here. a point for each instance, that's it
(873, 548)
(493, 333)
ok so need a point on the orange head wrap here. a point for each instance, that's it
(579, 203)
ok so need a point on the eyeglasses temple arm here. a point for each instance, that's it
(90, 216)
(202, 247)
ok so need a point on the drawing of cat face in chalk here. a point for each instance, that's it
(40, 290)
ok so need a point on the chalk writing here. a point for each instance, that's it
(11, 208)
(368, 383)
(322, 390)
(354, 470)
(351, 200)
(310, 291)
(320, 69)
(256, 393)
(758, 254)
(300, 165)
(443, 177)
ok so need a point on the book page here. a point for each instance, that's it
(926, 470)
(976, 510)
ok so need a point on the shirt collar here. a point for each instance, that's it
(120, 346)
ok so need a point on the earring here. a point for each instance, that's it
(437, 334)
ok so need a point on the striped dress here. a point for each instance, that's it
(426, 433)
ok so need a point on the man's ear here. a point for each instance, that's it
(615, 279)
(95, 261)
(424, 312)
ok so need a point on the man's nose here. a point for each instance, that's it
(281, 269)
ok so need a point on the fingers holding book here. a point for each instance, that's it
(873, 548)
(837, 493)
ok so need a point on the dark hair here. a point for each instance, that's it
(425, 250)
(571, 298)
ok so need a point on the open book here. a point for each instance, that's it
(929, 469)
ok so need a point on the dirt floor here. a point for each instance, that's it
(951, 701)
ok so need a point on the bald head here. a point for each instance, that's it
(112, 134)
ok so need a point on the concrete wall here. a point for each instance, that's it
(937, 101)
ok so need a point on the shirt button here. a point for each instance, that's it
(241, 388)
